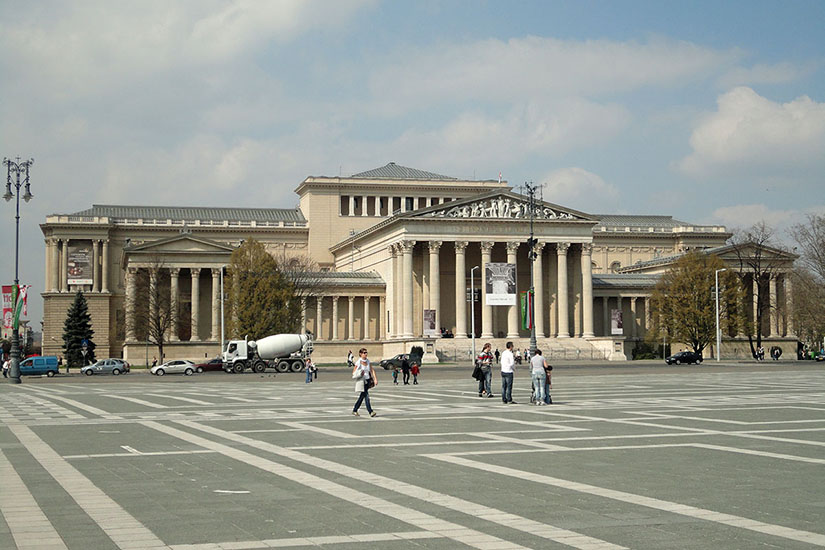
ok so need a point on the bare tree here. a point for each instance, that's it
(809, 280)
(760, 258)
(303, 273)
(153, 317)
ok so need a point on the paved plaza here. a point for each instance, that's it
(688, 458)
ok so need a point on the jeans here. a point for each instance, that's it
(507, 387)
(485, 384)
(540, 386)
(309, 376)
(365, 397)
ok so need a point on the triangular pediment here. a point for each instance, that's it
(501, 206)
(185, 243)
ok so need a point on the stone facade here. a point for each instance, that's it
(391, 243)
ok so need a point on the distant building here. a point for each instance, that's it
(392, 242)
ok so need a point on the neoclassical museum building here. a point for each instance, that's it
(391, 244)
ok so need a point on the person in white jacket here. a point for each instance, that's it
(364, 376)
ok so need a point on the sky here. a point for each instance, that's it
(711, 112)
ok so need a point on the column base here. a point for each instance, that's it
(562, 336)
(516, 335)
(488, 335)
(588, 335)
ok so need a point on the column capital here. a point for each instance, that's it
(561, 248)
(587, 249)
(435, 246)
(195, 272)
(131, 270)
(487, 246)
(216, 272)
(174, 271)
(351, 299)
(539, 246)
(406, 246)
(393, 249)
(460, 246)
(512, 246)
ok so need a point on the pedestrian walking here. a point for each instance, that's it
(485, 363)
(405, 370)
(350, 359)
(310, 366)
(364, 376)
(6, 367)
(415, 370)
(548, 383)
(539, 376)
(498, 355)
(395, 374)
(508, 365)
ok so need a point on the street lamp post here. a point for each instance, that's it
(718, 331)
(473, 310)
(531, 253)
(17, 168)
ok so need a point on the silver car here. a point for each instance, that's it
(175, 366)
(106, 366)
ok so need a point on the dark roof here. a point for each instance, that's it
(626, 220)
(624, 280)
(394, 171)
(346, 278)
(194, 213)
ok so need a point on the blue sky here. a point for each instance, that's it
(713, 112)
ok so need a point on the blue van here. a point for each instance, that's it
(46, 364)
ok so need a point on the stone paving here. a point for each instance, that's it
(651, 458)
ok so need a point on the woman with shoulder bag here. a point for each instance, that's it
(364, 376)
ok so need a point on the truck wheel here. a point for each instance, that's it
(297, 366)
(239, 367)
(259, 366)
(283, 366)
(50, 373)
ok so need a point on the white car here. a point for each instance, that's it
(175, 366)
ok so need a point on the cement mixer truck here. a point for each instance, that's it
(282, 351)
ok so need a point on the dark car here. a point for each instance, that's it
(212, 364)
(687, 357)
(396, 362)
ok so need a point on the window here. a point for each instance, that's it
(409, 204)
(344, 211)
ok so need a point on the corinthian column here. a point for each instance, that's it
(460, 289)
(774, 313)
(587, 291)
(407, 275)
(351, 318)
(486, 310)
(319, 301)
(789, 306)
(512, 311)
(435, 282)
(196, 308)
(216, 304)
(54, 267)
(396, 314)
(174, 300)
(64, 267)
(564, 314)
(131, 298)
(335, 317)
(538, 284)
(367, 317)
(104, 276)
(95, 265)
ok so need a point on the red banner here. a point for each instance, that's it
(8, 309)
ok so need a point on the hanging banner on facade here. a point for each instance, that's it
(80, 265)
(429, 323)
(500, 279)
(8, 308)
(526, 299)
(616, 324)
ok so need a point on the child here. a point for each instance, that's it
(415, 372)
(310, 369)
(395, 375)
(547, 399)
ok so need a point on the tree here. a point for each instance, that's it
(154, 311)
(262, 297)
(760, 258)
(809, 279)
(76, 329)
(684, 302)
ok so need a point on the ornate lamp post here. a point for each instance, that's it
(17, 168)
(531, 253)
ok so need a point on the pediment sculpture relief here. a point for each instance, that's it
(502, 207)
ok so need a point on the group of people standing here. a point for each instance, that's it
(539, 374)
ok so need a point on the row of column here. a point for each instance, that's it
(402, 273)
(350, 330)
(174, 289)
(417, 203)
(637, 330)
(57, 265)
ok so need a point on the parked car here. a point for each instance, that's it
(687, 357)
(175, 366)
(397, 361)
(212, 364)
(106, 366)
(39, 365)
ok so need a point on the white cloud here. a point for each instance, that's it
(746, 215)
(763, 74)
(580, 189)
(750, 135)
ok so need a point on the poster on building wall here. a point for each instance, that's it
(429, 323)
(500, 279)
(616, 324)
(80, 265)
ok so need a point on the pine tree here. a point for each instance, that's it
(76, 328)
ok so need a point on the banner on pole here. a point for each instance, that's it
(15, 303)
(500, 279)
(8, 306)
(616, 324)
(526, 299)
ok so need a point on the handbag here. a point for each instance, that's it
(369, 383)
(477, 374)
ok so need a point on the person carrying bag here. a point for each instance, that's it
(364, 376)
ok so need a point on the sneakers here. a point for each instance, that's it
(489, 395)
(355, 413)
(373, 414)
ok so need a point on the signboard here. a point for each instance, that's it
(500, 279)
(616, 324)
(429, 323)
(80, 265)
